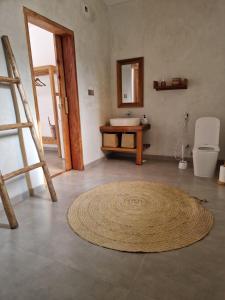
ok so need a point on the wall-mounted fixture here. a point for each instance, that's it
(130, 82)
(86, 10)
(91, 92)
(174, 84)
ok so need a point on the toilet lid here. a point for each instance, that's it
(207, 131)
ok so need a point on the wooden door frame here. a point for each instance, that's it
(66, 63)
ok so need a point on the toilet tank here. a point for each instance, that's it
(207, 131)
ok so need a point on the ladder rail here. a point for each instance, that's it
(15, 126)
(20, 130)
(12, 61)
(7, 204)
(8, 80)
(16, 79)
(22, 171)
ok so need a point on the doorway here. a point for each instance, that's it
(48, 101)
(53, 67)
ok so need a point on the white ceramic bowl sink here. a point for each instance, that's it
(125, 122)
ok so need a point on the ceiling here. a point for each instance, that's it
(112, 2)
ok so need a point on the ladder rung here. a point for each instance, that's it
(15, 126)
(22, 171)
(9, 80)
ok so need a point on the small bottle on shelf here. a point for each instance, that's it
(144, 120)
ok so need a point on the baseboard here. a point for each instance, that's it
(164, 157)
(157, 158)
(94, 163)
(147, 156)
(23, 196)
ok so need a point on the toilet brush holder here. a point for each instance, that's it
(182, 165)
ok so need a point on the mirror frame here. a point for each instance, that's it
(120, 63)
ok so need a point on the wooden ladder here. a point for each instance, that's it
(14, 80)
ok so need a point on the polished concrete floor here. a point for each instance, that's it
(56, 165)
(44, 259)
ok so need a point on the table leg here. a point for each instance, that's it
(139, 141)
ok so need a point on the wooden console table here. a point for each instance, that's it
(138, 130)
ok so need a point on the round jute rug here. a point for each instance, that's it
(139, 216)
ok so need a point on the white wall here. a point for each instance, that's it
(92, 51)
(177, 38)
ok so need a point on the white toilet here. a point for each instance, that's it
(206, 146)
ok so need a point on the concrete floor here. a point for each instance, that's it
(44, 259)
(56, 165)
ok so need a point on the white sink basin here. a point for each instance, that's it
(125, 122)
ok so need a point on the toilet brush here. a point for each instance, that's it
(182, 163)
(183, 144)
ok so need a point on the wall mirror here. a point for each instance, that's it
(130, 82)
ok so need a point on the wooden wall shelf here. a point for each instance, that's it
(44, 70)
(158, 86)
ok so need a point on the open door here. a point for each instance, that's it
(67, 135)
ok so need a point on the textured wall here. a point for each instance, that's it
(177, 38)
(92, 42)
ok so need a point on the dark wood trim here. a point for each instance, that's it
(140, 100)
(62, 94)
(45, 23)
(65, 36)
(73, 102)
